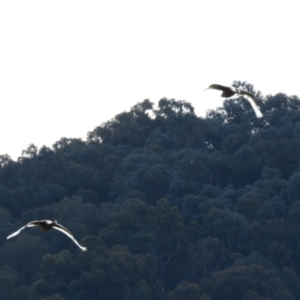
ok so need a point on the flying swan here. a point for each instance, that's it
(47, 225)
(229, 91)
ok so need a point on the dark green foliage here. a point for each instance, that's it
(189, 291)
(170, 206)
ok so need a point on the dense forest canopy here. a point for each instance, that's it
(170, 206)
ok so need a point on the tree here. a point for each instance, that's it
(187, 291)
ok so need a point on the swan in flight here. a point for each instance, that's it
(47, 225)
(229, 91)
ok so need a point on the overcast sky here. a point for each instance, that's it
(68, 66)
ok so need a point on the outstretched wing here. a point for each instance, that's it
(252, 100)
(68, 233)
(61, 227)
(33, 223)
(228, 91)
(17, 232)
(217, 87)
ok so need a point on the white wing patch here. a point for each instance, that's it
(17, 232)
(254, 106)
(71, 237)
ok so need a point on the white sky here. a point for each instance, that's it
(68, 66)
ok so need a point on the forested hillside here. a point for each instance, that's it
(170, 206)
